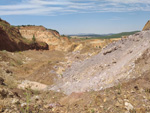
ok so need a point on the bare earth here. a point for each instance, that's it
(115, 79)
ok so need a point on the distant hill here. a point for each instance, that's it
(118, 35)
(104, 36)
(91, 35)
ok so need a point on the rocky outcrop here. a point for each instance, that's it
(147, 26)
(11, 39)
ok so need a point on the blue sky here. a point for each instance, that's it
(78, 16)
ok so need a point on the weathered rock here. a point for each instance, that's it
(136, 87)
(11, 39)
(89, 75)
(104, 100)
(3, 93)
(147, 26)
(15, 101)
(49, 36)
(35, 98)
(1, 108)
(128, 106)
(1, 81)
(118, 104)
(23, 105)
(9, 71)
(52, 105)
(109, 51)
(40, 33)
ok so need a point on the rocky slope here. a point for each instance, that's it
(131, 96)
(147, 26)
(113, 64)
(11, 39)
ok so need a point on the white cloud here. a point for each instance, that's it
(59, 7)
(21, 6)
(130, 1)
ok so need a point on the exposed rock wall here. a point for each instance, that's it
(57, 42)
(40, 33)
(11, 39)
(49, 36)
(147, 26)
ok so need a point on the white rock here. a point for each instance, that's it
(15, 101)
(23, 104)
(37, 97)
(128, 106)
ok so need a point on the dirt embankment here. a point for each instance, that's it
(11, 39)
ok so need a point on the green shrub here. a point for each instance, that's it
(33, 39)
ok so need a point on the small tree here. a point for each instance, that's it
(33, 39)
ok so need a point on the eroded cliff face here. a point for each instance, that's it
(11, 39)
(57, 42)
(40, 33)
(147, 26)
(49, 36)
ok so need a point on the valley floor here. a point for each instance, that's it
(26, 78)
